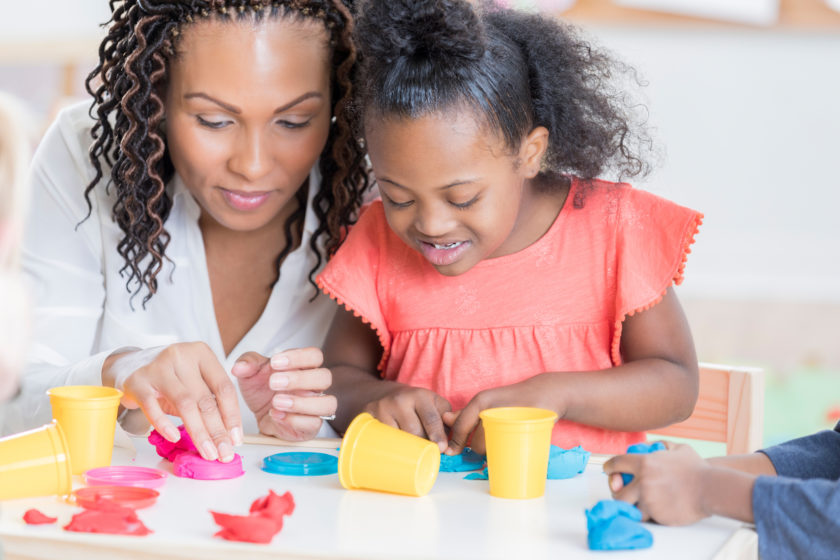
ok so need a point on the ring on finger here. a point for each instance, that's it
(330, 417)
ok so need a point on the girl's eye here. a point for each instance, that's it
(211, 124)
(394, 203)
(465, 205)
(292, 124)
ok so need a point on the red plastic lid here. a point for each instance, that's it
(126, 476)
(98, 497)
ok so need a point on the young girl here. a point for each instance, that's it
(496, 271)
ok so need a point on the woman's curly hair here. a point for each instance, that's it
(128, 109)
(516, 70)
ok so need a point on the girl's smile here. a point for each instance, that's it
(454, 192)
(443, 254)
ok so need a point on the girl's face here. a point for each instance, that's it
(451, 190)
(247, 115)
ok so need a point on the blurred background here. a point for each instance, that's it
(744, 100)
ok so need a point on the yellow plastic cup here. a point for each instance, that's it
(35, 463)
(375, 456)
(88, 416)
(518, 442)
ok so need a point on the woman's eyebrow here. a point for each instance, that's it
(236, 110)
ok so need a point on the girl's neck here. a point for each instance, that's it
(538, 211)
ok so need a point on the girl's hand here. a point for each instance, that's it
(667, 486)
(414, 410)
(531, 392)
(184, 380)
(285, 393)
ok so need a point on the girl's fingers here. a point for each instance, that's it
(316, 405)
(462, 428)
(432, 423)
(298, 358)
(317, 380)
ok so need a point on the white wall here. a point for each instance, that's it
(750, 121)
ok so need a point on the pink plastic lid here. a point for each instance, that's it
(99, 497)
(143, 477)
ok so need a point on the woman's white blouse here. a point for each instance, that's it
(82, 310)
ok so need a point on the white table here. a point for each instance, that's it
(458, 520)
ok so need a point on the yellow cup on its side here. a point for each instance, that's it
(35, 463)
(518, 442)
(376, 456)
(88, 416)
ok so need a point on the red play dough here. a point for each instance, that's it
(263, 522)
(114, 520)
(35, 517)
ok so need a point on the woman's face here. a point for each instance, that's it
(247, 115)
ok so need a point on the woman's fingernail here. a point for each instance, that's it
(278, 381)
(225, 452)
(171, 433)
(236, 435)
(209, 449)
(279, 361)
(282, 402)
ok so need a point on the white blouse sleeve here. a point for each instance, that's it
(62, 264)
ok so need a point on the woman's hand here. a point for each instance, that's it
(286, 393)
(185, 380)
(414, 410)
(539, 391)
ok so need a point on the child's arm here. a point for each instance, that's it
(654, 387)
(351, 352)
(794, 518)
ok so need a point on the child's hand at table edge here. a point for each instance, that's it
(286, 392)
(415, 410)
(532, 392)
(668, 486)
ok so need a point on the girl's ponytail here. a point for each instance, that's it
(574, 95)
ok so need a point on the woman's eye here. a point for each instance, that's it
(212, 124)
(467, 204)
(293, 124)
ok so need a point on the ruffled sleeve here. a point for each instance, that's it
(351, 277)
(653, 239)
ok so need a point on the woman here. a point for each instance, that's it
(221, 175)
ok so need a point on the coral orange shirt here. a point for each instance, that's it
(557, 305)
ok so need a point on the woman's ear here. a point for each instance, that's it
(532, 150)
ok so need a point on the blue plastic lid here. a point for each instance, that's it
(299, 463)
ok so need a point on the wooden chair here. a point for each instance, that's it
(730, 409)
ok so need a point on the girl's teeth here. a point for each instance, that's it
(447, 246)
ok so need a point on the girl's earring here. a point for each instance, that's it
(333, 119)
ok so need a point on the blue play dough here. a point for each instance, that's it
(641, 448)
(566, 463)
(616, 525)
(300, 463)
(466, 460)
(562, 463)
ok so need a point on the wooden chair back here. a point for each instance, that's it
(730, 409)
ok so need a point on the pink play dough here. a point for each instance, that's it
(186, 461)
(191, 465)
